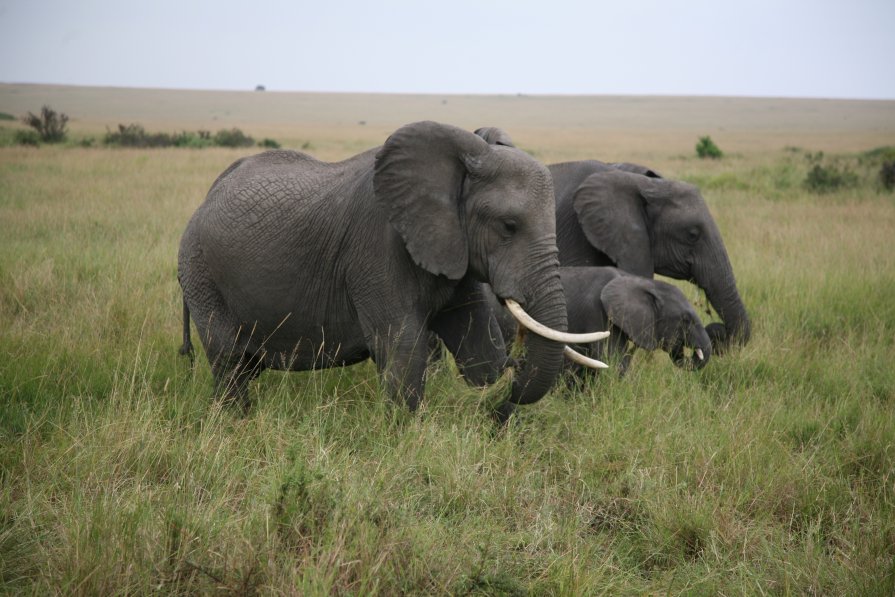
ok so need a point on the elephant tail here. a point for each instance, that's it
(187, 346)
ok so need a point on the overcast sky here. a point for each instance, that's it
(785, 48)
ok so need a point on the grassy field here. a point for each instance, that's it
(771, 471)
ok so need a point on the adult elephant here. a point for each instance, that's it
(294, 264)
(628, 216)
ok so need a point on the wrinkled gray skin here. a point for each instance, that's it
(651, 314)
(628, 216)
(294, 264)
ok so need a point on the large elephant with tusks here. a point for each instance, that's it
(293, 263)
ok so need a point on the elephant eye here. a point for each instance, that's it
(693, 234)
(510, 227)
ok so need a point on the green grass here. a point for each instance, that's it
(770, 471)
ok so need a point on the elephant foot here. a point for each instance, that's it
(501, 414)
(239, 405)
(232, 382)
(187, 350)
(718, 335)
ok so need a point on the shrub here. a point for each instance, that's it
(134, 135)
(885, 153)
(706, 148)
(828, 177)
(27, 138)
(49, 124)
(196, 140)
(232, 138)
(5, 116)
(269, 143)
(887, 175)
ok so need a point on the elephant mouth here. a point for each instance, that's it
(695, 360)
(530, 323)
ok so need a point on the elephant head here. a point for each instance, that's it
(648, 225)
(467, 210)
(655, 314)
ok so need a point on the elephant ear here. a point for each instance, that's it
(612, 214)
(636, 169)
(495, 136)
(632, 305)
(418, 179)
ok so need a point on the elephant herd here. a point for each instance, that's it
(443, 237)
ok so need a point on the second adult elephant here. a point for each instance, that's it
(628, 216)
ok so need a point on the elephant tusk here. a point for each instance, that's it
(542, 330)
(577, 357)
(699, 354)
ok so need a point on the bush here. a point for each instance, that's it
(196, 140)
(706, 148)
(828, 177)
(27, 138)
(887, 175)
(50, 125)
(268, 143)
(5, 116)
(232, 138)
(885, 153)
(134, 135)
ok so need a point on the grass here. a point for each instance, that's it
(770, 471)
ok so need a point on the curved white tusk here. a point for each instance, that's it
(542, 330)
(699, 354)
(577, 357)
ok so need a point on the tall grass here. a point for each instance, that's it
(770, 471)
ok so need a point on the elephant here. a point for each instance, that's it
(291, 263)
(649, 313)
(628, 216)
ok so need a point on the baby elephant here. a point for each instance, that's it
(650, 313)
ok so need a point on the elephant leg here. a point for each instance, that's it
(232, 377)
(625, 363)
(469, 328)
(225, 341)
(401, 355)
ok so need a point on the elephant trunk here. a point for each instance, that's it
(736, 328)
(543, 357)
(696, 338)
(721, 291)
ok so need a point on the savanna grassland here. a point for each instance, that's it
(771, 471)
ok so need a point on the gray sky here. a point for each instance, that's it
(786, 48)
